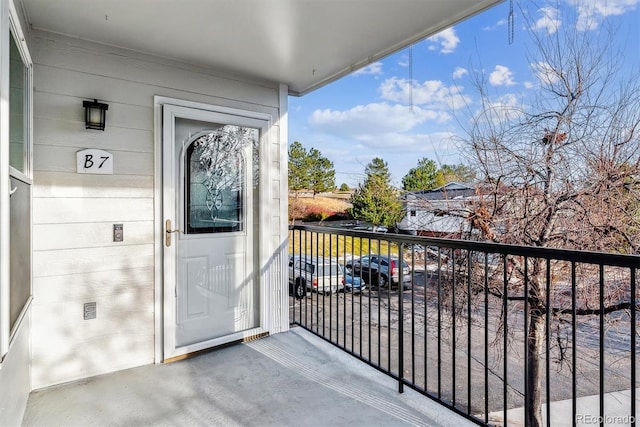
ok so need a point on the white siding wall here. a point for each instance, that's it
(15, 383)
(75, 260)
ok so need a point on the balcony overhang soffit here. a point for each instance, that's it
(303, 43)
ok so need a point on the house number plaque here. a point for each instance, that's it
(94, 161)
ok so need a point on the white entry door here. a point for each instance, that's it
(210, 199)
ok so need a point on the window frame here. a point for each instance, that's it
(13, 29)
(18, 36)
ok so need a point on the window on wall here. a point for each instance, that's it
(20, 176)
(18, 109)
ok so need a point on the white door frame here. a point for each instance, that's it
(163, 313)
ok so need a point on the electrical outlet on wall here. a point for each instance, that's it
(90, 310)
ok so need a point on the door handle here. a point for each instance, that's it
(168, 231)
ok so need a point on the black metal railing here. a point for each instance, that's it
(496, 333)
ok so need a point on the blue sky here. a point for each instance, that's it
(369, 113)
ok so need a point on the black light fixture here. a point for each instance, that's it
(95, 114)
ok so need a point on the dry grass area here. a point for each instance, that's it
(332, 204)
(318, 208)
(321, 208)
(337, 246)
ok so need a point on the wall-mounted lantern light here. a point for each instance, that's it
(95, 114)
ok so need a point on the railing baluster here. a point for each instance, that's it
(527, 403)
(378, 361)
(505, 293)
(303, 301)
(360, 306)
(319, 263)
(454, 283)
(486, 338)
(601, 345)
(369, 254)
(291, 286)
(331, 280)
(426, 330)
(353, 332)
(306, 303)
(344, 312)
(400, 319)
(634, 347)
(469, 271)
(574, 391)
(439, 323)
(413, 311)
(548, 341)
(310, 255)
(388, 301)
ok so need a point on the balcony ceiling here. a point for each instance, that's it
(303, 43)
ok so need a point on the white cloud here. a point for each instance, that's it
(507, 100)
(375, 68)
(545, 73)
(501, 76)
(408, 142)
(500, 23)
(459, 72)
(351, 138)
(402, 150)
(391, 132)
(431, 93)
(529, 85)
(446, 41)
(591, 12)
(549, 21)
(372, 119)
(503, 109)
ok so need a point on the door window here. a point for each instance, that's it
(215, 168)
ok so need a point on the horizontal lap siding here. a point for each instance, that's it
(75, 259)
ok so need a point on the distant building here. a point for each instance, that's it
(440, 212)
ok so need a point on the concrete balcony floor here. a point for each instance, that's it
(288, 379)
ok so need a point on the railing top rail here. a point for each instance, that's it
(587, 257)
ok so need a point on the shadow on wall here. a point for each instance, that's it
(67, 347)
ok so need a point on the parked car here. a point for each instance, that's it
(313, 273)
(352, 283)
(297, 286)
(380, 270)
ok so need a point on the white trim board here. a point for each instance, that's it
(10, 23)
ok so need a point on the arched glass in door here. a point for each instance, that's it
(215, 181)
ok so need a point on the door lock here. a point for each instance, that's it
(168, 231)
